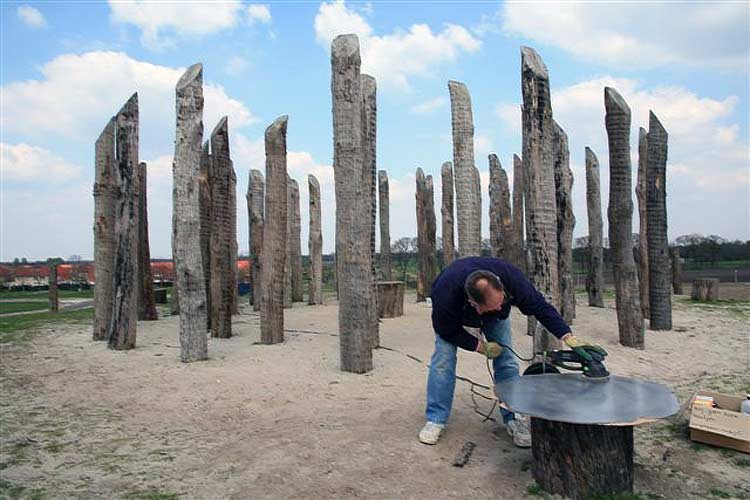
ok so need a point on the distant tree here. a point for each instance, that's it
(581, 242)
(16, 260)
(24, 261)
(75, 258)
(402, 250)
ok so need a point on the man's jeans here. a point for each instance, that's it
(441, 382)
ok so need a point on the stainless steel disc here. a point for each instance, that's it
(575, 399)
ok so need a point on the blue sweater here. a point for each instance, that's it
(451, 309)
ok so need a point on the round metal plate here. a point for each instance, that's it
(572, 398)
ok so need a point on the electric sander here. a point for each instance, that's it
(586, 359)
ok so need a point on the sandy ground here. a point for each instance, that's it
(256, 421)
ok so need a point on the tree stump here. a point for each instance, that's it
(581, 461)
(705, 289)
(390, 299)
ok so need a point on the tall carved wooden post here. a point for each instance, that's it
(255, 200)
(186, 243)
(369, 187)
(273, 255)
(426, 242)
(385, 232)
(122, 327)
(519, 256)
(468, 189)
(501, 219)
(352, 209)
(446, 210)
(296, 244)
(641, 189)
(566, 221)
(620, 213)
(206, 220)
(539, 189)
(223, 237)
(54, 302)
(676, 271)
(289, 260)
(660, 276)
(146, 300)
(595, 272)
(315, 243)
(104, 230)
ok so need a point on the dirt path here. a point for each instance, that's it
(255, 421)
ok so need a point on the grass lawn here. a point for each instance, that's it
(43, 294)
(12, 307)
(18, 329)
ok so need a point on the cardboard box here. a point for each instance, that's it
(724, 426)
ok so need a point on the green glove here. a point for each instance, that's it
(492, 349)
(584, 349)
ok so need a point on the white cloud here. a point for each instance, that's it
(78, 93)
(183, 18)
(429, 106)
(482, 148)
(418, 50)
(636, 34)
(236, 65)
(31, 163)
(31, 16)
(258, 13)
(706, 155)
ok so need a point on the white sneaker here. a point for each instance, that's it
(431, 432)
(518, 429)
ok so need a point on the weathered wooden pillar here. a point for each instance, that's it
(660, 276)
(369, 187)
(186, 243)
(255, 200)
(468, 189)
(296, 244)
(426, 242)
(539, 189)
(104, 230)
(352, 209)
(390, 299)
(288, 261)
(641, 190)
(273, 255)
(705, 289)
(146, 301)
(385, 231)
(54, 302)
(122, 327)
(235, 273)
(582, 461)
(595, 272)
(676, 271)
(501, 219)
(620, 214)
(315, 243)
(446, 210)
(206, 220)
(223, 269)
(566, 221)
(519, 256)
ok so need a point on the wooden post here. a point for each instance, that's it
(315, 243)
(352, 210)
(582, 461)
(385, 231)
(519, 256)
(104, 230)
(273, 255)
(255, 200)
(566, 221)
(501, 219)
(288, 261)
(641, 189)
(54, 302)
(390, 299)
(369, 186)
(466, 176)
(296, 244)
(705, 289)
(426, 243)
(676, 271)
(539, 189)
(660, 275)
(446, 211)
(146, 303)
(186, 243)
(595, 275)
(206, 221)
(620, 214)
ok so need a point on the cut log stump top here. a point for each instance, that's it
(572, 398)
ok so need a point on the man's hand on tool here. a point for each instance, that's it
(582, 347)
(489, 349)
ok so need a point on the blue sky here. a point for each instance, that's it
(68, 67)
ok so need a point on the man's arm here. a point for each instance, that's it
(451, 330)
(532, 303)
